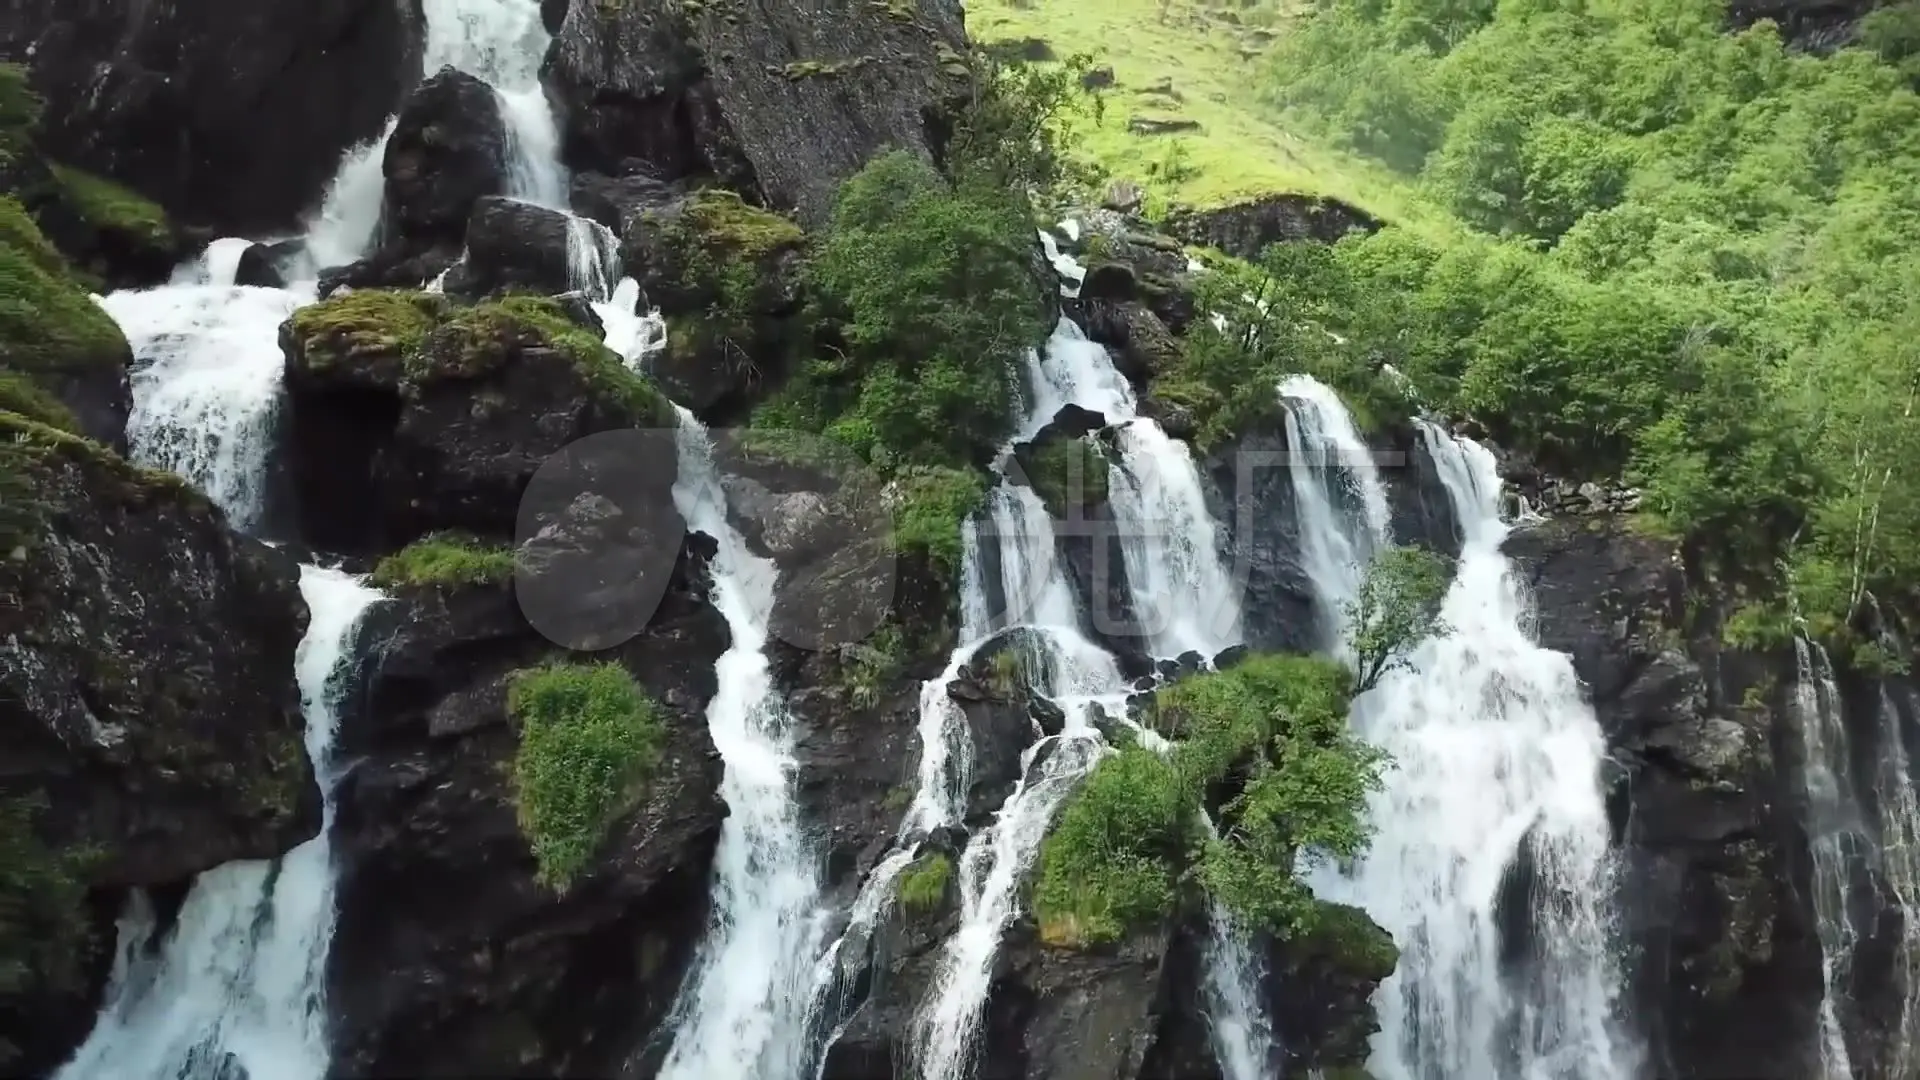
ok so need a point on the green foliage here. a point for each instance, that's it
(444, 559)
(929, 504)
(721, 274)
(1398, 607)
(1697, 268)
(1110, 864)
(923, 885)
(867, 666)
(1015, 130)
(48, 323)
(936, 302)
(1267, 740)
(45, 941)
(589, 741)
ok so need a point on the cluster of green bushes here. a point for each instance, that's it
(928, 298)
(1694, 260)
(1264, 751)
(590, 740)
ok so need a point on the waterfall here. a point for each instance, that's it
(1495, 761)
(240, 979)
(504, 42)
(1835, 832)
(1183, 596)
(1899, 852)
(1333, 472)
(744, 1010)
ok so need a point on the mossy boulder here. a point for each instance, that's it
(148, 708)
(1321, 984)
(411, 414)
(52, 332)
(726, 276)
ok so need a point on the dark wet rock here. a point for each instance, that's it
(612, 200)
(1727, 972)
(450, 955)
(1420, 507)
(447, 151)
(243, 138)
(781, 98)
(148, 709)
(1244, 230)
(996, 697)
(261, 264)
(1815, 25)
(1141, 345)
(1113, 282)
(1253, 502)
(1229, 656)
(409, 414)
(513, 245)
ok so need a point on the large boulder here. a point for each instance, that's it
(231, 113)
(1244, 230)
(452, 955)
(1727, 963)
(150, 723)
(783, 97)
(726, 277)
(514, 244)
(408, 413)
(448, 150)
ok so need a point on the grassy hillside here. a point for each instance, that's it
(1189, 60)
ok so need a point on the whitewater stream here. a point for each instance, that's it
(1494, 752)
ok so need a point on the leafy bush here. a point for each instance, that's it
(445, 559)
(1112, 860)
(1398, 607)
(1708, 282)
(589, 740)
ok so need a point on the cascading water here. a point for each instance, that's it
(240, 978)
(1898, 806)
(1496, 759)
(1334, 474)
(504, 42)
(744, 1012)
(1835, 831)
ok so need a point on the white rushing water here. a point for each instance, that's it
(1898, 806)
(503, 42)
(240, 977)
(1493, 748)
(744, 1012)
(1834, 831)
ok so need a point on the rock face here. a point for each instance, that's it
(783, 98)
(513, 244)
(451, 958)
(147, 693)
(448, 149)
(241, 135)
(1245, 229)
(1815, 25)
(1726, 958)
(408, 413)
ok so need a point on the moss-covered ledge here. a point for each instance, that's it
(53, 333)
(444, 560)
(407, 341)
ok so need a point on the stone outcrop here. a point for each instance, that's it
(1726, 970)
(447, 151)
(408, 413)
(231, 113)
(513, 245)
(148, 709)
(781, 98)
(1246, 229)
(1814, 25)
(450, 955)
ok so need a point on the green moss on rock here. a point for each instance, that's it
(724, 222)
(443, 560)
(589, 741)
(923, 885)
(1069, 475)
(48, 323)
(365, 324)
(1356, 944)
(110, 208)
(21, 394)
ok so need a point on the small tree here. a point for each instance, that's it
(1398, 607)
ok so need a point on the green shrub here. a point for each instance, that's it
(923, 885)
(445, 559)
(930, 504)
(1112, 861)
(589, 741)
